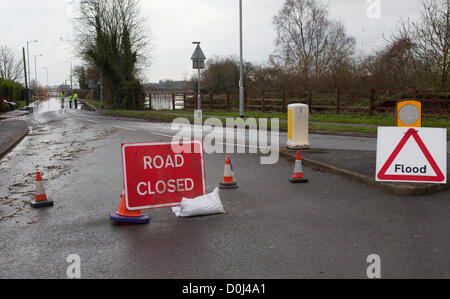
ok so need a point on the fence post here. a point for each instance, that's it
(245, 99)
(338, 101)
(284, 100)
(150, 101)
(262, 101)
(211, 99)
(310, 101)
(195, 97)
(228, 101)
(184, 101)
(414, 93)
(173, 102)
(372, 102)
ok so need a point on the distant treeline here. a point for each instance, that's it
(314, 52)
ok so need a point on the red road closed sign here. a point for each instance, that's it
(155, 176)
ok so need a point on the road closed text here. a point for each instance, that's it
(156, 177)
(162, 186)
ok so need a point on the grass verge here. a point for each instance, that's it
(283, 125)
(96, 104)
(386, 119)
(21, 104)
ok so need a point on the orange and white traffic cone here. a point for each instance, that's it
(228, 181)
(41, 200)
(126, 216)
(298, 176)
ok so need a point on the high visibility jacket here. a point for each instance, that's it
(75, 97)
(62, 97)
(70, 98)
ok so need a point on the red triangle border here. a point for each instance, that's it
(411, 133)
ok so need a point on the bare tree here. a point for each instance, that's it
(392, 67)
(112, 17)
(309, 41)
(112, 36)
(430, 36)
(11, 67)
(221, 75)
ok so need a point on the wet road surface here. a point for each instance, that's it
(272, 229)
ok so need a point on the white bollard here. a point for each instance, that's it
(298, 126)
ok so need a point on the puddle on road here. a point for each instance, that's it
(53, 104)
(53, 143)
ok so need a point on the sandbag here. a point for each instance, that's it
(208, 204)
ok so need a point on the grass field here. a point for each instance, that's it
(283, 125)
(21, 104)
(96, 104)
(377, 119)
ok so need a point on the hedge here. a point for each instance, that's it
(10, 90)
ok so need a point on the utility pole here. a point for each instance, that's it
(35, 68)
(28, 54)
(241, 81)
(46, 68)
(101, 89)
(199, 98)
(26, 78)
(198, 61)
(71, 86)
(35, 73)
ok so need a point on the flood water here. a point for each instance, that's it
(164, 102)
(53, 104)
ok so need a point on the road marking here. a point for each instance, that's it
(218, 142)
(124, 128)
(172, 136)
(242, 145)
(82, 118)
(163, 135)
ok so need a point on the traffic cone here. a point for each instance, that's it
(41, 200)
(126, 216)
(298, 176)
(228, 181)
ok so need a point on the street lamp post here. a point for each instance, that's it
(71, 86)
(46, 68)
(70, 61)
(35, 71)
(241, 81)
(197, 58)
(35, 67)
(29, 69)
(28, 57)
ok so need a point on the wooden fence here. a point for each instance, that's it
(338, 101)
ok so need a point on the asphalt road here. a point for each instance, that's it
(272, 229)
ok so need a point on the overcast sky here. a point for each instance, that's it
(174, 24)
